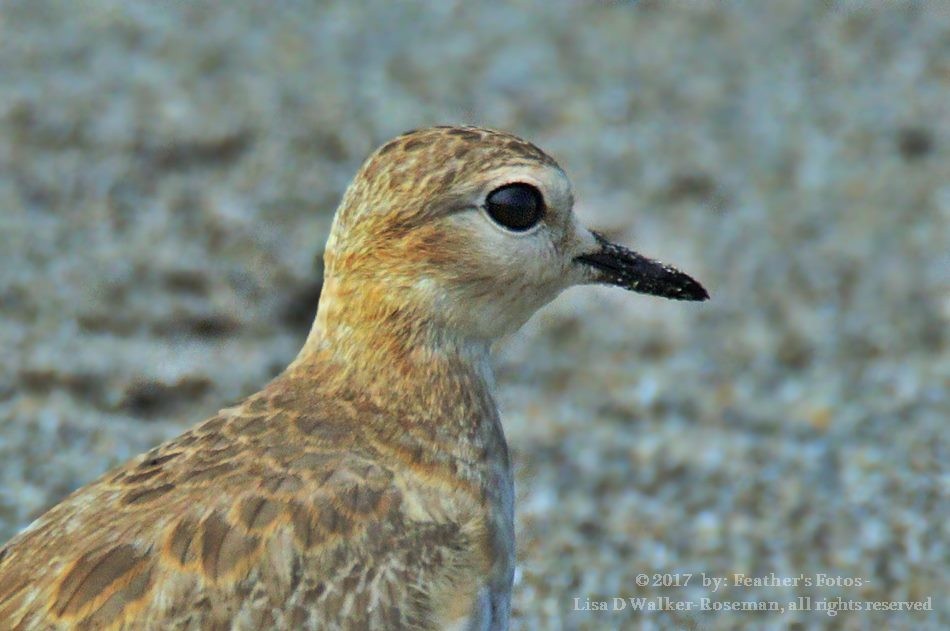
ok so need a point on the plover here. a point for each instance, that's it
(368, 486)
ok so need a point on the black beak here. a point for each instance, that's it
(616, 265)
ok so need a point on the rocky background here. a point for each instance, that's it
(169, 170)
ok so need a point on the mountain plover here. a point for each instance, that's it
(368, 486)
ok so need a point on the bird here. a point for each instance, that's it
(369, 484)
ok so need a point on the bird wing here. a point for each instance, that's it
(237, 525)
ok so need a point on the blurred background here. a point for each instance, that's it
(169, 171)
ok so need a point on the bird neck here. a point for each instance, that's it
(387, 348)
(422, 392)
(371, 327)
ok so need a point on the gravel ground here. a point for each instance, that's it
(169, 170)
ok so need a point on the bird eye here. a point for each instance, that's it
(517, 207)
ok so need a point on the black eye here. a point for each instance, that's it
(515, 206)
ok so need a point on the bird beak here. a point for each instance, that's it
(612, 264)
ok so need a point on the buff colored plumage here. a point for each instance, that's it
(367, 486)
